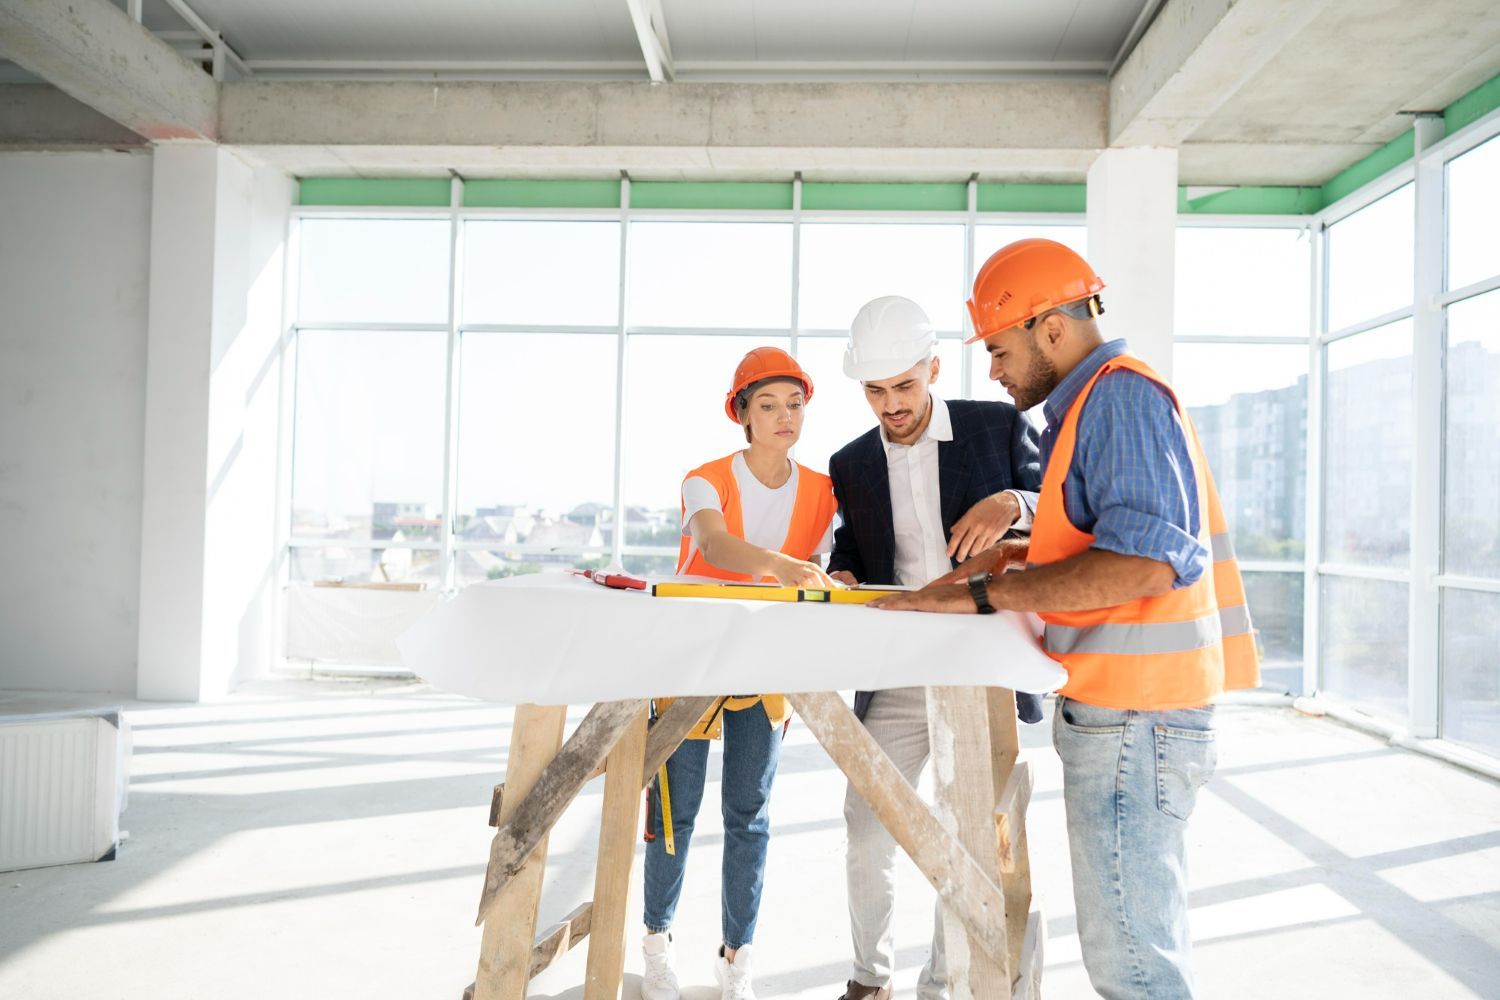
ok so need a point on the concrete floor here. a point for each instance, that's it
(327, 839)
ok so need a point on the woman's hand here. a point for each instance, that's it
(791, 572)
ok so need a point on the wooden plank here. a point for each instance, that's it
(1029, 980)
(618, 830)
(496, 798)
(1015, 881)
(505, 950)
(671, 729)
(964, 799)
(555, 942)
(542, 806)
(1010, 813)
(562, 937)
(564, 782)
(958, 878)
(1005, 733)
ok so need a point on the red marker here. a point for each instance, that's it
(615, 581)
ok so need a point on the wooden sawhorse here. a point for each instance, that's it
(971, 845)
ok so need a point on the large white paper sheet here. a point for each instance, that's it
(554, 639)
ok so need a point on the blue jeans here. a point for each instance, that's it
(1130, 780)
(752, 750)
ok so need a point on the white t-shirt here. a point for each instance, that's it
(766, 513)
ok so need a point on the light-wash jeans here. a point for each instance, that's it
(1130, 780)
(752, 750)
(897, 719)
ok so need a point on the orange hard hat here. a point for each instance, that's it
(1024, 279)
(764, 363)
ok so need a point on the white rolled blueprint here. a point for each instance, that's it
(554, 639)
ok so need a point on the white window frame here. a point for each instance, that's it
(623, 329)
(1306, 224)
(1424, 576)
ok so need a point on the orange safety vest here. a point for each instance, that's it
(1180, 649)
(812, 513)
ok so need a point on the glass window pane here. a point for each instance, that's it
(1249, 403)
(373, 271)
(839, 412)
(357, 565)
(674, 412)
(1471, 669)
(1474, 215)
(1363, 639)
(522, 487)
(1367, 453)
(368, 434)
(1276, 609)
(989, 238)
(1370, 261)
(845, 265)
(1242, 282)
(553, 273)
(727, 274)
(1471, 526)
(478, 565)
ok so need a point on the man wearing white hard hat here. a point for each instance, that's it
(932, 484)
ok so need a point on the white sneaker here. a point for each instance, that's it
(659, 982)
(734, 977)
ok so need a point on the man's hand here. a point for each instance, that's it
(982, 525)
(954, 599)
(991, 560)
(845, 577)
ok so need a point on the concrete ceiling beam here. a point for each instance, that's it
(94, 52)
(1197, 55)
(1030, 115)
(39, 116)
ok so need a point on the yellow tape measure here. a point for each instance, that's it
(772, 592)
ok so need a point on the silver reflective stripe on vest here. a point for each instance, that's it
(1235, 620)
(1223, 547)
(1142, 639)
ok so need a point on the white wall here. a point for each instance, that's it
(208, 524)
(74, 243)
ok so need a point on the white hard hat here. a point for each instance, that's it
(889, 335)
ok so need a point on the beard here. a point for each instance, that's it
(1041, 379)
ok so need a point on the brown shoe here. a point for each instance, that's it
(859, 991)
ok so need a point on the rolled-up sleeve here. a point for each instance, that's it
(1138, 476)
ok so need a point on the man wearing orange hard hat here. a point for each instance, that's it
(1130, 566)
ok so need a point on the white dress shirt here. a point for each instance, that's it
(916, 501)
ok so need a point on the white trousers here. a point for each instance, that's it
(897, 719)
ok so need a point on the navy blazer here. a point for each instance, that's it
(994, 448)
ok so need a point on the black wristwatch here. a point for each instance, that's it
(978, 589)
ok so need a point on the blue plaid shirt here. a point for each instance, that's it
(1131, 484)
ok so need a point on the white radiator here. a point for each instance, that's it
(63, 783)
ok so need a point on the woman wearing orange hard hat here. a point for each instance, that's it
(751, 515)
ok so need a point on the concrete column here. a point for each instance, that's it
(214, 330)
(1132, 219)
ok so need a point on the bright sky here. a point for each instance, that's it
(537, 411)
